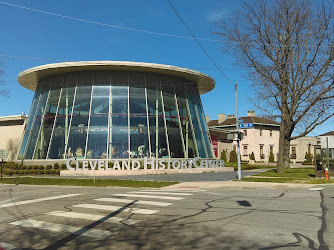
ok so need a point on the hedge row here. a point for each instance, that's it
(11, 168)
(31, 172)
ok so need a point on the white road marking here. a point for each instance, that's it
(150, 196)
(153, 203)
(93, 217)
(146, 192)
(4, 245)
(37, 200)
(316, 189)
(55, 227)
(176, 190)
(116, 208)
(8, 200)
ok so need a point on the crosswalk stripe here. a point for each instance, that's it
(37, 200)
(169, 193)
(93, 217)
(116, 208)
(176, 190)
(150, 196)
(55, 227)
(153, 203)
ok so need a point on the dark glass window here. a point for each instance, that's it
(156, 118)
(79, 123)
(139, 146)
(48, 120)
(172, 118)
(63, 118)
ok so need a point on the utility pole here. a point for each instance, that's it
(237, 125)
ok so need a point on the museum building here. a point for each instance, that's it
(115, 110)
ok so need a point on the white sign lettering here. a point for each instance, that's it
(151, 163)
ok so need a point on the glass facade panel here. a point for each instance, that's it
(187, 131)
(172, 118)
(47, 122)
(204, 125)
(79, 123)
(139, 145)
(37, 120)
(119, 120)
(115, 114)
(29, 122)
(63, 117)
(195, 120)
(156, 118)
(98, 127)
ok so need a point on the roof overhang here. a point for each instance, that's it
(29, 78)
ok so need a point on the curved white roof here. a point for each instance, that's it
(29, 78)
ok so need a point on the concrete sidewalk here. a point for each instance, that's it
(238, 184)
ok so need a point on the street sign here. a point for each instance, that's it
(246, 125)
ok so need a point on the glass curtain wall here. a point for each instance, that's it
(110, 115)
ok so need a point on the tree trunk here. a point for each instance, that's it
(284, 150)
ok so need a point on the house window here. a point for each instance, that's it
(261, 152)
(271, 133)
(293, 152)
(261, 133)
(245, 132)
(245, 150)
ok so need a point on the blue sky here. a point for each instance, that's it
(27, 34)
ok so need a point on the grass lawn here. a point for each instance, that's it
(86, 182)
(245, 166)
(293, 175)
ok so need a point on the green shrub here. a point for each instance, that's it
(16, 166)
(48, 167)
(37, 172)
(56, 166)
(24, 167)
(271, 157)
(29, 167)
(252, 157)
(22, 172)
(308, 158)
(233, 156)
(63, 166)
(223, 155)
(35, 167)
(41, 167)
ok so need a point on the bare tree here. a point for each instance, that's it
(12, 149)
(3, 92)
(287, 45)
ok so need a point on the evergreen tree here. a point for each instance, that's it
(223, 155)
(252, 157)
(233, 156)
(271, 157)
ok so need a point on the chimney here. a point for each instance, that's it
(207, 118)
(251, 113)
(230, 116)
(221, 118)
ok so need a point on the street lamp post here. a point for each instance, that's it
(238, 136)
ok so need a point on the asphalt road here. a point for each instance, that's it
(58, 217)
(184, 177)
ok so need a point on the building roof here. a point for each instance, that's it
(29, 78)
(328, 133)
(247, 119)
(12, 120)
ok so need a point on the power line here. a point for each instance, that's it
(199, 44)
(105, 24)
